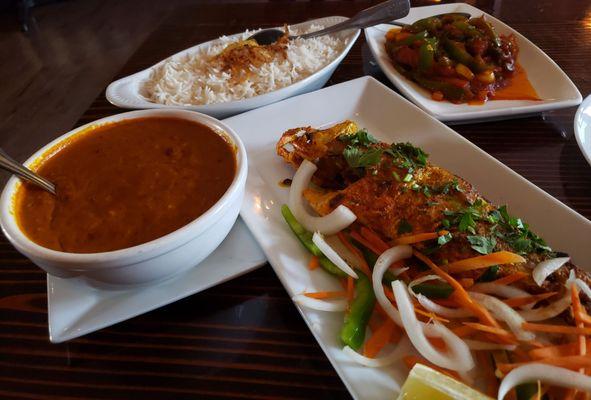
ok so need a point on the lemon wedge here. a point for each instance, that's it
(426, 383)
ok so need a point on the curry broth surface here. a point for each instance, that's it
(126, 183)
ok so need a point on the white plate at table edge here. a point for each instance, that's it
(125, 92)
(583, 128)
(75, 308)
(546, 76)
(366, 100)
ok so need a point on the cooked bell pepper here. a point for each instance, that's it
(412, 38)
(427, 54)
(467, 29)
(305, 238)
(430, 24)
(458, 53)
(356, 320)
(487, 28)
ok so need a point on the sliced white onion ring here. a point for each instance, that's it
(545, 373)
(503, 312)
(478, 345)
(547, 267)
(320, 305)
(332, 255)
(386, 259)
(572, 277)
(446, 312)
(378, 362)
(505, 291)
(551, 311)
(458, 358)
(336, 221)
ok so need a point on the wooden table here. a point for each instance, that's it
(245, 339)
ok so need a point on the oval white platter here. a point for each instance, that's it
(552, 84)
(126, 92)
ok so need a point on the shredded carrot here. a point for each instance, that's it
(446, 302)
(466, 282)
(379, 338)
(499, 257)
(364, 242)
(326, 295)
(463, 331)
(561, 350)
(511, 278)
(419, 237)
(374, 238)
(459, 294)
(521, 301)
(350, 289)
(570, 362)
(362, 263)
(485, 365)
(430, 315)
(411, 360)
(314, 263)
(566, 329)
(490, 329)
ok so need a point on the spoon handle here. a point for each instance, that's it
(380, 13)
(9, 164)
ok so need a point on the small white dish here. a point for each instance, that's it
(553, 86)
(390, 118)
(149, 262)
(583, 128)
(76, 309)
(126, 92)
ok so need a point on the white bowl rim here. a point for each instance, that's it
(20, 240)
(579, 131)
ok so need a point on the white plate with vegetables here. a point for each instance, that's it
(509, 244)
(429, 72)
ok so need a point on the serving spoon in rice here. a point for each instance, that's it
(380, 13)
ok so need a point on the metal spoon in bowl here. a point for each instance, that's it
(402, 24)
(380, 13)
(11, 165)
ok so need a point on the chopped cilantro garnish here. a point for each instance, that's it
(360, 137)
(360, 158)
(407, 156)
(404, 227)
(516, 232)
(482, 244)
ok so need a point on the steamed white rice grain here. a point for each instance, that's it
(192, 80)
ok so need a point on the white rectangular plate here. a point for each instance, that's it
(551, 83)
(390, 118)
(76, 308)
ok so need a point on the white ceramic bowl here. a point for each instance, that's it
(126, 92)
(148, 262)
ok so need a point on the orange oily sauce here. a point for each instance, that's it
(126, 183)
(518, 87)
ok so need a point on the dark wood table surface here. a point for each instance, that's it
(244, 338)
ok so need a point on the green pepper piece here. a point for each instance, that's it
(413, 38)
(353, 331)
(490, 274)
(305, 238)
(467, 29)
(487, 28)
(430, 24)
(433, 291)
(458, 53)
(301, 233)
(450, 92)
(427, 54)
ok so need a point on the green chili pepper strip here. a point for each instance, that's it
(353, 331)
(457, 52)
(467, 29)
(427, 54)
(433, 291)
(430, 24)
(305, 238)
(412, 38)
